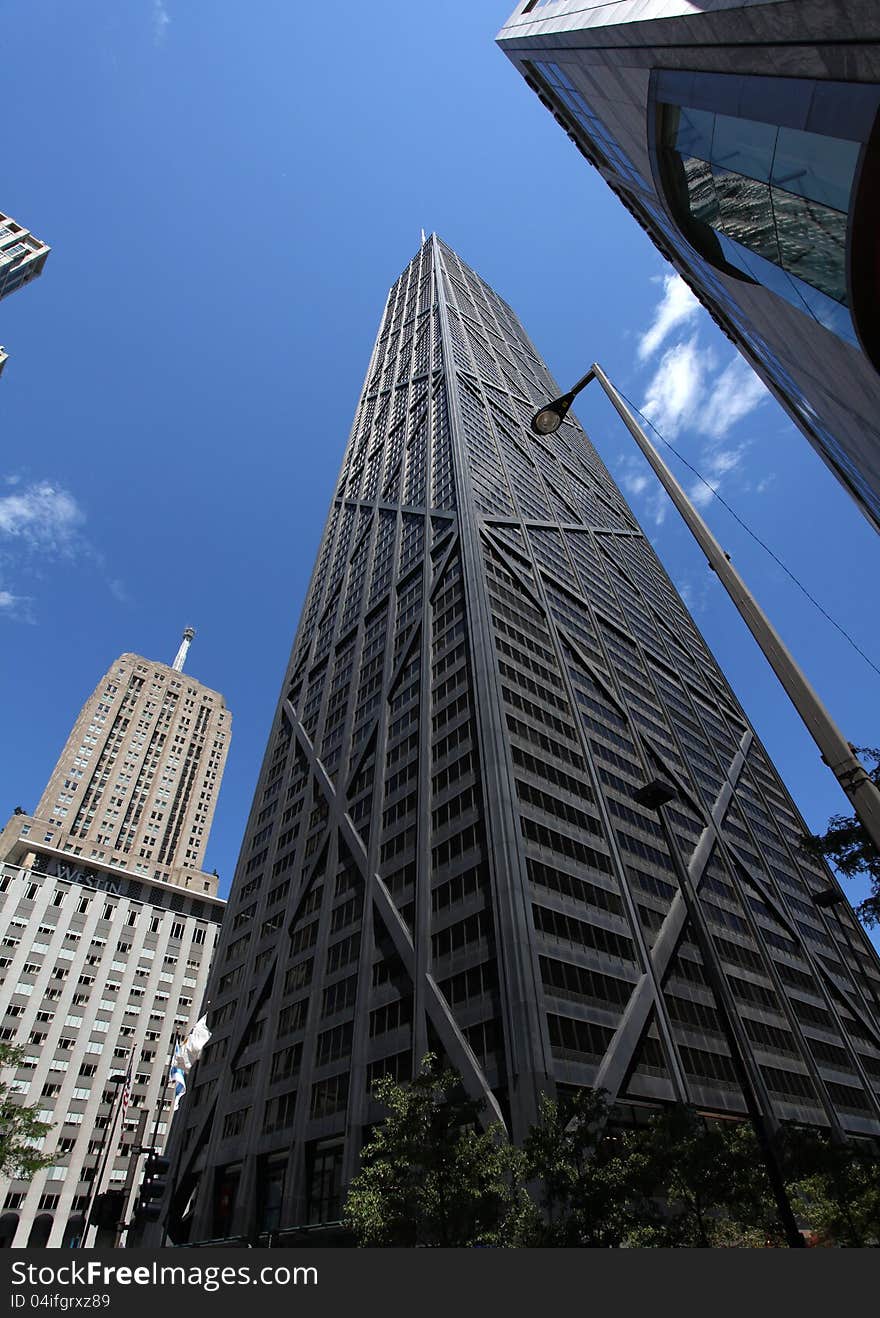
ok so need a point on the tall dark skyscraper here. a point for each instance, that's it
(445, 851)
(744, 136)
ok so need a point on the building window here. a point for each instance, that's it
(761, 175)
(324, 1171)
(602, 145)
(225, 1193)
(270, 1191)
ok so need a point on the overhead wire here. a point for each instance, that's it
(754, 535)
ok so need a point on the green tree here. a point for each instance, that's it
(697, 1184)
(675, 1181)
(845, 844)
(21, 1134)
(837, 1187)
(430, 1177)
(584, 1182)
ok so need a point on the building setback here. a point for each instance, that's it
(22, 256)
(107, 930)
(744, 137)
(445, 851)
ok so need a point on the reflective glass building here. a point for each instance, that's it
(446, 850)
(744, 138)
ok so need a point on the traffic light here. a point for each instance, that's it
(107, 1209)
(153, 1187)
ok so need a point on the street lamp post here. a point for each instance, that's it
(836, 751)
(137, 1149)
(656, 795)
(103, 1152)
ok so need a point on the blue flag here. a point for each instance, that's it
(177, 1076)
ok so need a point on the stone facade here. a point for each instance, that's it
(107, 929)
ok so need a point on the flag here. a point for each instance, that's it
(194, 1043)
(177, 1076)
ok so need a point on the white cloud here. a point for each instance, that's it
(635, 484)
(694, 592)
(714, 465)
(724, 460)
(117, 590)
(736, 392)
(694, 394)
(41, 516)
(701, 493)
(161, 20)
(676, 306)
(39, 521)
(673, 395)
(636, 481)
(15, 608)
(657, 506)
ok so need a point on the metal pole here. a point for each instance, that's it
(103, 1157)
(762, 1121)
(836, 751)
(174, 1169)
(131, 1174)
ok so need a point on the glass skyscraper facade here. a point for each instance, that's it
(445, 850)
(745, 139)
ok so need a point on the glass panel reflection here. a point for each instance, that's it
(744, 145)
(769, 201)
(821, 168)
(745, 213)
(812, 242)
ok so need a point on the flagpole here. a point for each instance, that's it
(159, 1105)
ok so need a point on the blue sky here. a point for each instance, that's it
(228, 193)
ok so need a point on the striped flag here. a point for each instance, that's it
(177, 1075)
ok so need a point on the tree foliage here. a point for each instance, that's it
(836, 1187)
(845, 844)
(676, 1181)
(21, 1134)
(430, 1177)
(701, 1184)
(583, 1180)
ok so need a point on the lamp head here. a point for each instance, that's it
(550, 417)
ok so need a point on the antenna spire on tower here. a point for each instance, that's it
(180, 657)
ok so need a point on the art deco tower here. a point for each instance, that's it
(107, 930)
(136, 784)
(445, 850)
